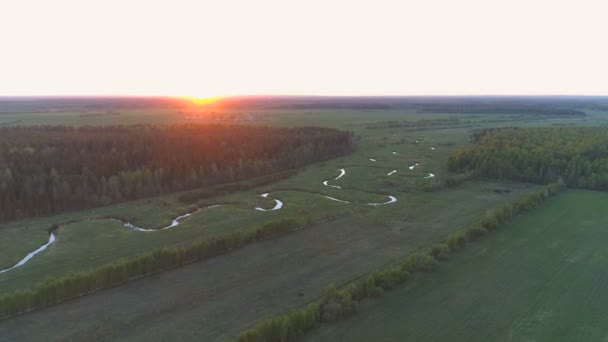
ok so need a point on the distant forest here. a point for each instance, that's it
(544, 105)
(51, 169)
(577, 155)
(567, 106)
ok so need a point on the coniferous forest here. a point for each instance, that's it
(578, 155)
(50, 169)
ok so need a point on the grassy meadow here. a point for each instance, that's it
(236, 289)
(91, 240)
(539, 278)
(215, 299)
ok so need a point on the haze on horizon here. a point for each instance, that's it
(381, 47)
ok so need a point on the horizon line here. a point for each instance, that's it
(294, 95)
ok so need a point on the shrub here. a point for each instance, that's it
(440, 251)
(475, 232)
(456, 241)
(337, 304)
(490, 221)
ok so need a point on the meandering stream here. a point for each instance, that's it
(278, 204)
(179, 219)
(32, 254)
(176, 221)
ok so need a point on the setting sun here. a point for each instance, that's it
(200, 101)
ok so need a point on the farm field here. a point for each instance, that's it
(539, 278)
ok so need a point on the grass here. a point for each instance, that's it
(91, 242)
(217, 298)
(539, 278)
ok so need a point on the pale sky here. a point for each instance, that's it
(314, 47)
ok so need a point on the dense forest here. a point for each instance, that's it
(578, 155)
(52, 169)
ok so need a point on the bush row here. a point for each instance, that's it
(337, 304)
(438, 183)
(75, 284)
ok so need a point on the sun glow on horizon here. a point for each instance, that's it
(202, 101)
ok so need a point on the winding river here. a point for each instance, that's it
(179, 219)
(278, 204)
(391, 199)
(342, 173)
(31, 255)
(176, 221)
(335, 199)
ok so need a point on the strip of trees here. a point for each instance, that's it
(223, 189)
(450, 121)
(448, 181)
(578, 155)
(51, 169)
(336, 304)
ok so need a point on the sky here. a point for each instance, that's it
(308, 47)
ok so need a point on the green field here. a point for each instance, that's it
(92, 240)
(217, 298)
(236, 289)
(540, 278)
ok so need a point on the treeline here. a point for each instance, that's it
(417, 123)
(338, 304)
(48, 169)
(443, 182)
(53, 105)
(223, 189)
(75, 284)
(457, 121)
(555, 106)
(421, 104)
(505, 108)
(578, 155)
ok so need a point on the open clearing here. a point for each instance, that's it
(542, 277)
